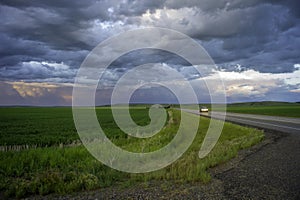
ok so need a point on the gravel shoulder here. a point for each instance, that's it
(269, 170)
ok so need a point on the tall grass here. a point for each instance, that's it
(64, 170)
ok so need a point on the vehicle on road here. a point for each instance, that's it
(203, 109)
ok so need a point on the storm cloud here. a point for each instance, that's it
(46, 41)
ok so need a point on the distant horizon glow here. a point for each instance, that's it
(249, 83)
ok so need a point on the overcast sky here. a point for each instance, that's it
(254, 43)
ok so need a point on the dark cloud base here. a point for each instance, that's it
(46, 41)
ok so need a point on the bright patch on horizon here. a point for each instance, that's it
(254, 83)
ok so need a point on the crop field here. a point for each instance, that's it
(267, 108)
(271, 108)
(54, 161)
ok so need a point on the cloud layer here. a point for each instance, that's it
(44, 42)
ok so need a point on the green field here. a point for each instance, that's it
(51, 165)
(36, 126)
(272, 108)
(267, 108)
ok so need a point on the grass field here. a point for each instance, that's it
(272, 108)
(54, 168)
(267, 108)
(43, 127)
(36, 126)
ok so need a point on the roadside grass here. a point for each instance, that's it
(64, 170)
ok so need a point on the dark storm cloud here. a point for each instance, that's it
(34, 70)
(140, 57)
(213, 5)
(245, 34)
(36, 30)
(53, 31)
(44, 25)
(35, 35)
(138, 7)
(269, 44)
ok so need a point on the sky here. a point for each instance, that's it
(254, 44)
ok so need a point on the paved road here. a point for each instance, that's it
(269, 170)
(281, 124)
